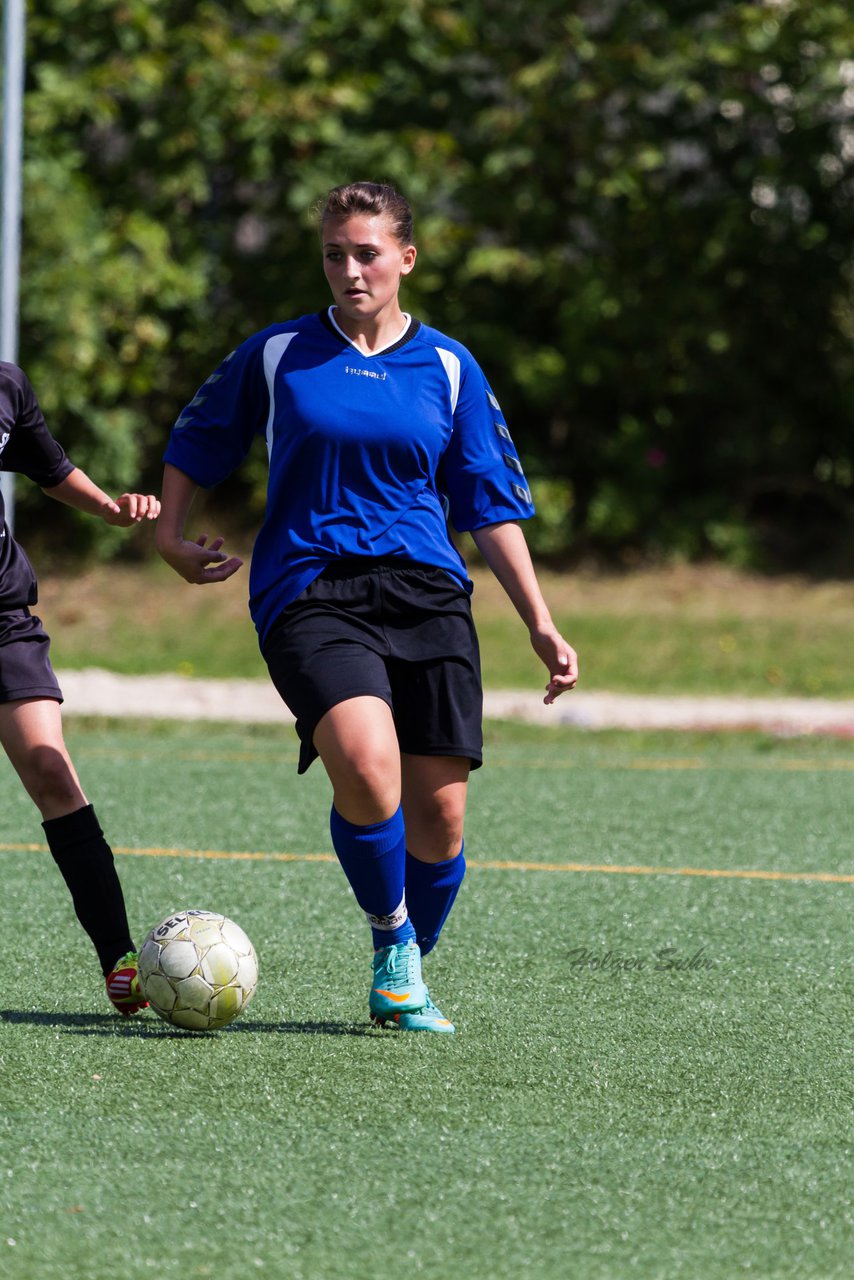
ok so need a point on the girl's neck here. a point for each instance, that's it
(374, 334)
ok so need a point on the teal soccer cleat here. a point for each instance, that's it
(427, 1019)
(398, 986)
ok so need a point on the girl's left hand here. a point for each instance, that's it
(131, 508)
(561, 662)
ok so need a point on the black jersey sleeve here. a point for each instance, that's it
(26, 445)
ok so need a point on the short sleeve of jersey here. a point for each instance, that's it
(480, 474)
(26, 445)
(215, 431)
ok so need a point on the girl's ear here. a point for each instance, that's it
(410, 253)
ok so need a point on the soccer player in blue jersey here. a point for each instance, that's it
(30, 697)
(378, 430)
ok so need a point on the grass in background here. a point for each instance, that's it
(684, 631)
(597, 1115)
(673, 631)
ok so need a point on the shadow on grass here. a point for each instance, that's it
(105, 1024)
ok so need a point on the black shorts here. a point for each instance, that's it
(25, 670)
(405, 635)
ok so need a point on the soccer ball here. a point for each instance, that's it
(198, 970)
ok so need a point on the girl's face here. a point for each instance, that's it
(364, 261)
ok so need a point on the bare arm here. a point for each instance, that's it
(505, 550)
(194, 561)
(78, 491)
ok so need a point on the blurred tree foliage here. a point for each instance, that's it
(639, 215)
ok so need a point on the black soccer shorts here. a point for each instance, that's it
(25, 669)
(401, 633)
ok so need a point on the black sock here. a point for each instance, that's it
(86, 862)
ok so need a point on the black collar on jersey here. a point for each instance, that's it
(412, 329)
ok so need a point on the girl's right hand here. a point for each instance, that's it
(198, 563)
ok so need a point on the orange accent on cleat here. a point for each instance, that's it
(427, 1019)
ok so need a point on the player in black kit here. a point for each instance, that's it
(30, 697)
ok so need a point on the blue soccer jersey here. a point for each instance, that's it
(368, 454)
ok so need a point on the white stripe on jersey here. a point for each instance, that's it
(452, 369)
(273, 352)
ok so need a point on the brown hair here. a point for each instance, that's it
(373, 198)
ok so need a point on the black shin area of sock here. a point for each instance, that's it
(86, 862)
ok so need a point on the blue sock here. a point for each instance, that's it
(431, 888)
(374, 861)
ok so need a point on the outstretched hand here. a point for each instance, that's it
(198, 563)
(561, 662)
(130, 509)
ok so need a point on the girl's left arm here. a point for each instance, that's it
(78, 491)
(505, 550)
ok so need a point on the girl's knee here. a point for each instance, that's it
(435, 833)
(369, 792)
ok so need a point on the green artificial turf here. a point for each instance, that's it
(651, 1074)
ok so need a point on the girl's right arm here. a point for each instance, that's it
(194, 561)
